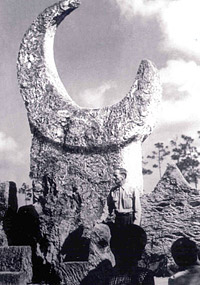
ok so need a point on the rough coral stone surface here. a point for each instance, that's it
(14, 278)
(8, 202)
(75, 150)
(8, 197)
(73, 273)
(16, 260)
(100, 246)
(171, 211)
(4, 195)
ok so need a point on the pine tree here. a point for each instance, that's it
(186, 156)
(159, 155)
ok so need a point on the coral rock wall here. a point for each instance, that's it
(171, 211)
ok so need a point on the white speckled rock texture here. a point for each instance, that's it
(75, 150)
(171, 211)
(8, 200)
(15, 265)
(74, 273)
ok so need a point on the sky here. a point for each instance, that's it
(98, 49)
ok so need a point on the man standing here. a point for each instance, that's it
(124, 201)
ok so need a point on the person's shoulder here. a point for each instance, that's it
(129, 188)
(177, 277)
(180, 274)
(194, 268)
(129, 191)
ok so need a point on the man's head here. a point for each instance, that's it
(184, 252)
(120, 175)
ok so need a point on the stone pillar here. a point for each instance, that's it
(8, 209)
(75, 150)
(15, 265)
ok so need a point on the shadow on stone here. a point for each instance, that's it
(76, 247)
(28, 230)
(28, 233)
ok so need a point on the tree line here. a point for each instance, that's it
(182, 152)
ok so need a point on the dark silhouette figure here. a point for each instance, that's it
(28, 233)
(127, 245)
(185, 254)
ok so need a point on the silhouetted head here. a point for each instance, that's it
(184, 252)
(128, 244)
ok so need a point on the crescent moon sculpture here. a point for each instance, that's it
(44, 93)
(75, 150)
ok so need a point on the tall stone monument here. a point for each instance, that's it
(75, 150)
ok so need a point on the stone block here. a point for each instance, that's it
(100, 246)
(13, 278)
(16, 260)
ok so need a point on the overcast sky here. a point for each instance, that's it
(98, 49)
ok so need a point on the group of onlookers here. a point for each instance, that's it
(127, 244)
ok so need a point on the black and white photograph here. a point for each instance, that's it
(100, 142)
